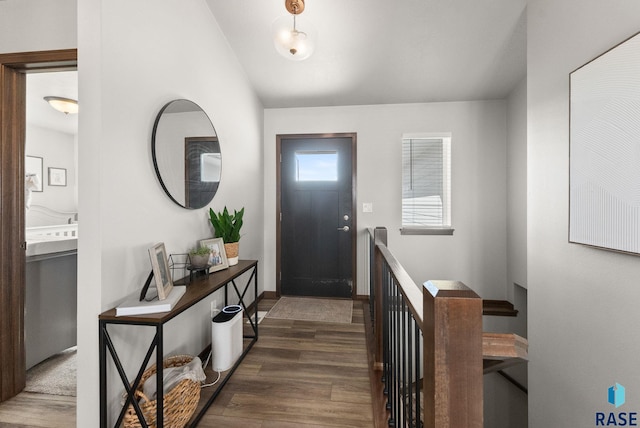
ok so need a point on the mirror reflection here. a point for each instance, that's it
(186, 154)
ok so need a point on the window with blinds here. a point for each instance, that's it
(426, 181)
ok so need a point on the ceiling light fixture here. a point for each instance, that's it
(293, 43)
(64, 105)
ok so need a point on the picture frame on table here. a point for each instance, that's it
(217, 255)
(161, 271)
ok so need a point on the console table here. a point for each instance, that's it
(197, 290)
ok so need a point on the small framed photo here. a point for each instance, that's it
(57, 176)
(161, 271)
(217, 254)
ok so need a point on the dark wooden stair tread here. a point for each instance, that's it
(501, 350)
(499, 308)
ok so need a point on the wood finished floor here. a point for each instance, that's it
(299, 374)
(29, 409)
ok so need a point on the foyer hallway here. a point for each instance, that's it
(299, 374)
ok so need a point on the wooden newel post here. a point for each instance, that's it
(380, 236)
(452, 332)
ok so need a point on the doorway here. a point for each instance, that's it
(13, 68)
(316, 228)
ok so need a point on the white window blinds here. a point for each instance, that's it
(426, 181)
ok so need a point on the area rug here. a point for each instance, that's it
(310, 309)
(55, 375)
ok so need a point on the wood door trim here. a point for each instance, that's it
(354, 228)
(58, 60)
(13, 68)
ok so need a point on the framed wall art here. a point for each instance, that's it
(57, 176)
(604, 157)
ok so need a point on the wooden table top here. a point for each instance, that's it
(197, 290)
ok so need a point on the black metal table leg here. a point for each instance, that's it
(209, 285)
(159, 378)
(103, 374)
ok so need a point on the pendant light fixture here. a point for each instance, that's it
(291, 41)
(64, 105)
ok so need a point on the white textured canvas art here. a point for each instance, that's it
(604, 208)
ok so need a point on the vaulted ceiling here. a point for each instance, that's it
(367, 52)
(382, 51)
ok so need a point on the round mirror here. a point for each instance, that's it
(186, 154)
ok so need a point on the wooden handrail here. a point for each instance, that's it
(407, 286)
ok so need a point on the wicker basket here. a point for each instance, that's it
(231, 249)
(179, 403)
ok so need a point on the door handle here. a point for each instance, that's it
(344, 228)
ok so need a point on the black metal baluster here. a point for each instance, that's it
(385, 330)
(372, 280)
(418, 358)
(394, 350)
(392, 353)
(398, 357)
(404, 361)
(410, 363)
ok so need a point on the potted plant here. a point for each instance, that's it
(227, 227)
(199, 256)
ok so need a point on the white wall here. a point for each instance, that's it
(509, 407)
(34, 25)
(129, 67)
(476, 253)
(57, 150)
(583, 302)
(517, 187)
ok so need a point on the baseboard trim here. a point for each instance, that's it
(268, 295)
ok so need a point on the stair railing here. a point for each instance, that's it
(429, 345)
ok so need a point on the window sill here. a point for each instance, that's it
(426, 231)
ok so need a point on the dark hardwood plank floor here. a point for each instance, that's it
(29, 409)
(299, 374)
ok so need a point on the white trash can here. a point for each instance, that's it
(226, 338)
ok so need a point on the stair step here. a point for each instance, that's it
(501, 350)
(501, 308)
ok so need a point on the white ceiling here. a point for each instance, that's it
(382, 51)
(39, 112)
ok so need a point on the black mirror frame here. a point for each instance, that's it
(154, 154)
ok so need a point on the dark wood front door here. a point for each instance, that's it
(317, 224)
